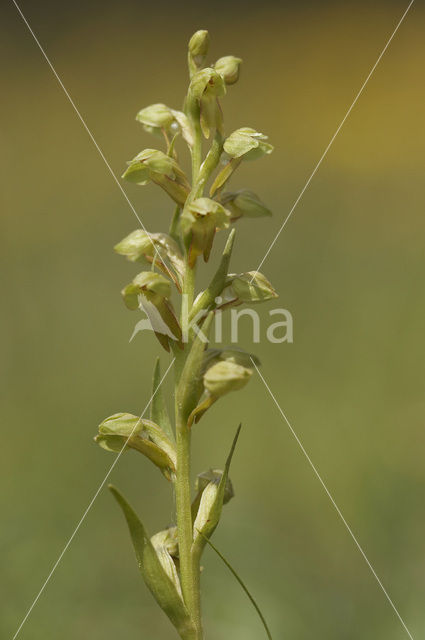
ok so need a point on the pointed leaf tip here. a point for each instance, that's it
(156, 579)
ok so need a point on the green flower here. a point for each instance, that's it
(229, 68)
(152, 291)
(223, 371)
(156, 166)
(251, 287)
(158, 117)
(247, 143)
(126, 430)
(199, 223)
(226, 376)
(244, 204)
(205, 88)
(198, 47)
(141, 246)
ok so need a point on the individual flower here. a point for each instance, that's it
(141, 246)
(242, 144)
(156, 166)
(152, 291)
(226, 376)
(124, 430)
(247, 143)
(198, 47)
(244, 204)
(229, 68)
(223, 371)
(158, 117)
(205, 88)
(252, 286)
(199, 223)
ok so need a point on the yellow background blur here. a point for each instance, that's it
(350, 267)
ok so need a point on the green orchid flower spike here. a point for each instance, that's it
(181, 318)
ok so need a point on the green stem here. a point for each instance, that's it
(173, 231)
(189, 563)
(189, 573)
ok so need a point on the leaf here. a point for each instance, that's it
(158, 408)
(190, 383)
(207, 298)
(224, 175)
(154, 575)
(205, 524)
(185, 126)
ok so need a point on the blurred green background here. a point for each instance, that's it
(350, 267)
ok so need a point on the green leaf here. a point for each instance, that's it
(224, 175)
(211, 505)
(185, 126)
(206, 299)
(190, 383)
(158, 408)
(158, 582)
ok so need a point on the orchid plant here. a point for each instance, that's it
(169, 561)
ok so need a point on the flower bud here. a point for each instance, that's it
(199, 223)
(244, 204)
(165, 544)
(198, 46)
(214, 475)
(226, 376)
(211, 504)
(136, 246)
(206, 508)
(252, 287)
(156, 116)
(228, 67)
(167, 538)
(247, 143)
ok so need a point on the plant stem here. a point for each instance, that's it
(190, 564)
(189, 573)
